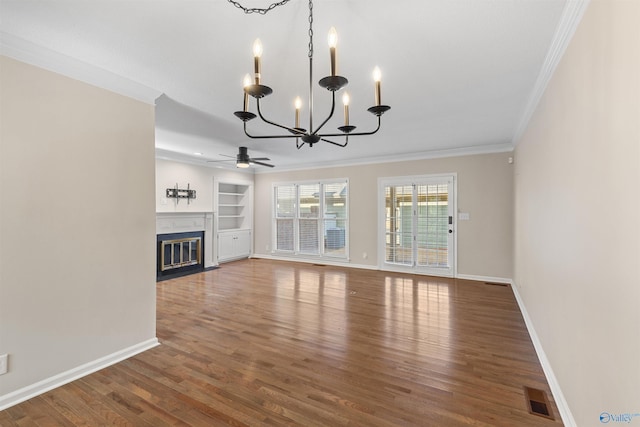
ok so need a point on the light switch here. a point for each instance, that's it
(463, 216)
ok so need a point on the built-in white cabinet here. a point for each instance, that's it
(234, 219)
(234, 245)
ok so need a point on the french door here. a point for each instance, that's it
(417, 224)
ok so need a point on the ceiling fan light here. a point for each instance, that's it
(241, 164)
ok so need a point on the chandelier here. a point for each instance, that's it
(332, 83)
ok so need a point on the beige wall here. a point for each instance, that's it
(77, 255)
(577, 211)
(485, 191)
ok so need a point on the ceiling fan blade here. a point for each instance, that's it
(217, 161)
(226, 155)
(261, 164)
(260, 158)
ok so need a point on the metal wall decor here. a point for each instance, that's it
(180, 193)
(332, 83)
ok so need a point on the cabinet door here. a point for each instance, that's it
(243, 243)
(226, 246)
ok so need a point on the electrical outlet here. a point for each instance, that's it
(4, 362)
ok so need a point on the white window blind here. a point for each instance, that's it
(308, 218)
(335, 218)
(285, 208)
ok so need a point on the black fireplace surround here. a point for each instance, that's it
(179, 254)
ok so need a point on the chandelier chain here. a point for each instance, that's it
(249, 10)
(310, 29)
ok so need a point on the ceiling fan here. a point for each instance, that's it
(243, 160)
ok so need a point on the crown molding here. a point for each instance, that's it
(571, 16)
(40, 56)
(423, 155)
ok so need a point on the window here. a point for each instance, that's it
(311, 218)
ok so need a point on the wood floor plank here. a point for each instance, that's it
(260, 343)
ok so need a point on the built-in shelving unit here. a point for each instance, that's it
(233, 206)
(234, 219)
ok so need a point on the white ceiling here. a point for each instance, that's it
(459, 74)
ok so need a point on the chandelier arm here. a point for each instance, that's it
(330, 135)
(335, 143)
(295, 132)
(267, 136)
(333, 108)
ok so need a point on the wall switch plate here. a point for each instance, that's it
(4, 362)
(463, 216)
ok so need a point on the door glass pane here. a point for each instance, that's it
(398, 224)
(186, 253)
(432, 225)
(177, 254)
(195, 250)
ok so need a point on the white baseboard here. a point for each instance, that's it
(484, 278)
(58, 380)
(558, 396)
(347, 263)
(324, 261)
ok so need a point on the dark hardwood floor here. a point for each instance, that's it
(260, 342)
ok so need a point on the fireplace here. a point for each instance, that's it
(179, 254)
(184, 243)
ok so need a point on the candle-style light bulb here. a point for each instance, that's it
(257, 54)
(245, 83)
(298, 104)
(345, 101)
(377, 76)
(333, 42)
